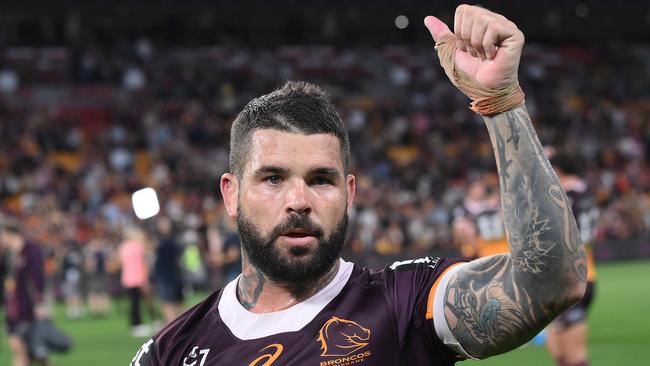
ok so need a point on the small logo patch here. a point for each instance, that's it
(267, 359)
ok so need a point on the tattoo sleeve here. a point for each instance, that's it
(497, 303)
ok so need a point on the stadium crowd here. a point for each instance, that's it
(82, 129)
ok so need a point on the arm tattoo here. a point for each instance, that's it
(496, 303)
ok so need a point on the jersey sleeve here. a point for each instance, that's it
(146, 355)
(167, 345)
(437, 304)
(411, 286)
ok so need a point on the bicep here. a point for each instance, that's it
(484, 310)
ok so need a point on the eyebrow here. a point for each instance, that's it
(324, 171)
(272, 169)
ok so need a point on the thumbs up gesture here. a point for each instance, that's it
(485, 48)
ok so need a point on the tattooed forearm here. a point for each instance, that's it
(514, 132)
(497, 303)
(503, 161)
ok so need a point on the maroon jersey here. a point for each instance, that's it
(586, 212)
(24, 286)
(362, 317)
(487, 218)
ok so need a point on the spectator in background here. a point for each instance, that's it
(567, 334)
(4, 269)
(478, 228)
(96, 258)
(73, 273)
(192, 262)
(24, 289)
(135, 276)
(226, 255)
(167, 273)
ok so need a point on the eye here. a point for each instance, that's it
(320, 181)
(273, 179)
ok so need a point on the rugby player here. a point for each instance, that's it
(567, 335)
(24, 290)
(298, 303)
(477, 225)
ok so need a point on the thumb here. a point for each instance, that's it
(436, 27)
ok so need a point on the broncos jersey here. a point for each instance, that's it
(491, 234)
(586, 212)
(362, 317)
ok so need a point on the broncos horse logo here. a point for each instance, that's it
(341, 337)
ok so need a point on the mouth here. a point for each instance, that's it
(297, 233)
(297, 236)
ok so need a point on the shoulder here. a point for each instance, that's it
(429, 267)
(182, 328)
(409, 287)
(407, 282)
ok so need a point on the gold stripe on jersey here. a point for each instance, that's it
(432, 291)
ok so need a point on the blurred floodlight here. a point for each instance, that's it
(145, 203)
(401, 21)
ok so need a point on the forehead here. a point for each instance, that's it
(293, 150)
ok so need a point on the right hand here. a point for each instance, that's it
(489, 45)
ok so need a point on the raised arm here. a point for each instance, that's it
(494, 304)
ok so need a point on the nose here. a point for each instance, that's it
(298, 198)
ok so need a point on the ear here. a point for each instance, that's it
(351, 186)
(230, 191)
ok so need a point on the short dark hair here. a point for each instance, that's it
(566, 164)
(297, 107)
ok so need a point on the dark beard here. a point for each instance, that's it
(305, 266)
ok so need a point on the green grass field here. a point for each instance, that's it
(620, 328)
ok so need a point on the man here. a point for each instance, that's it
(297, 303)
(24, 288)
(73, 274)
(567, 335)
(167, 274)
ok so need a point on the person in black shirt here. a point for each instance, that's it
(167, 271)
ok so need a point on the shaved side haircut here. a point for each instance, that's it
(296, 107)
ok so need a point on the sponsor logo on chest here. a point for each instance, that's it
(269, 353)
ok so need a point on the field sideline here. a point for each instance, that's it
(620, 328)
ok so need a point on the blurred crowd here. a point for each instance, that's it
(82, 129)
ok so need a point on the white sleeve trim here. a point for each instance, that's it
(439, 319)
